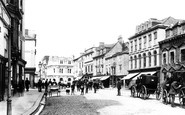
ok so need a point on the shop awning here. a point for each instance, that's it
(150, 72)
(104, 78)
(95, 78)
(129, 76)
(77, 78)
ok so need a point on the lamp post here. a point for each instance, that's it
(40, 65)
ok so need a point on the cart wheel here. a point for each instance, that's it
(143, 92)
(159, 93)
(181, 98)
(133, 91)
(165, 97)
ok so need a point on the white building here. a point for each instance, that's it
(144, 47)
(78, 67)
(30, 55)
(88, 61)
(60, 69)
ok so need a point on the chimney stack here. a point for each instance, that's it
(120, 39)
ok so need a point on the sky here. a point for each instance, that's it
(68, 27)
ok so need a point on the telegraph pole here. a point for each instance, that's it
(9, 100)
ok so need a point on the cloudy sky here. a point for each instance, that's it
(68, 27)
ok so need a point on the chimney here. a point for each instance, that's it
(120, 39)
(101, 44)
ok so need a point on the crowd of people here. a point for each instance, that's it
(82, 86)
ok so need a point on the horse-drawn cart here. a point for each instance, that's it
(146, 85)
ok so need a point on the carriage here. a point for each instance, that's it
(180, 92)
(146, 85)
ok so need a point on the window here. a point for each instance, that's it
(131, 46)
(172, 55)
(149, 40)
(61, 70)
(144, 41)
(61, 61)
(69, 70)
(120, 67)
(61, 79)
(69, 79)
(182, 55)
(131, 63)
(149, 56)
(69, 62)
(135, 61)
(174, 31)
(140, 43)
(164, 58)
(139, 60)
(167, 34)
(54, 70)
(144, 60)
(136, 45)
(155, 58)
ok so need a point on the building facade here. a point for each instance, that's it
(88, 62)
(99, 59)
(172, 51)
(5, 24)
(60, 69)
(78, 67)
(16, 10)
(144, 56)
(30, 56)
(116, 62)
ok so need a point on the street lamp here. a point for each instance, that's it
(40, 65)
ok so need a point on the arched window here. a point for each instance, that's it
(149, 58)
(144, 60)
(139, 60)
(135, 58)
(61, 79)
(69, 79)
(131, 63)
(155, 58)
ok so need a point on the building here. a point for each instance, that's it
(30, 56)
(116, 63)
(5, 24)
(172, 51)
(78, 67)
(144, 48)
(16, 10)
(60, 69)
(99, 59)
(88, 62)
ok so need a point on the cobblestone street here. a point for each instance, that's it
(105, 102)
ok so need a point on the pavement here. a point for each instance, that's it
(27, 104)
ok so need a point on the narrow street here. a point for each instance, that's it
(105, 102)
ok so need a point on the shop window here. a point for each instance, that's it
(172, 55)
(182, 55)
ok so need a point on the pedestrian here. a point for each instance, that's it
(40, 85)
(119, 87)
(50, 82)
(173, 91)
(95, 86)
(86, 87)
(27, 83)
(54, 82)
(46, 85)
(82, 87)
(72, 88)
